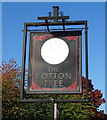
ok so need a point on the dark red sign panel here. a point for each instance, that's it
(64, 77)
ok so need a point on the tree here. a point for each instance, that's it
(13, 109)
(11, 74)
(82, 111)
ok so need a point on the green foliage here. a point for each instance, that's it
(13, 109)
(74, 111)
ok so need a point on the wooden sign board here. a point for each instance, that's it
(59, 78)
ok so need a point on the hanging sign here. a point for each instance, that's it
(55, 62)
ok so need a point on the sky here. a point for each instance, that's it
(15, 14)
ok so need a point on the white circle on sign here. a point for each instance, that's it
(54, 51)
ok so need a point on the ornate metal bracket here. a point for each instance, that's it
(55, 17)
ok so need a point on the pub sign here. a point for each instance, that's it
(51, 71)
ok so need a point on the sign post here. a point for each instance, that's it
(55, 59)
(55, 110)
